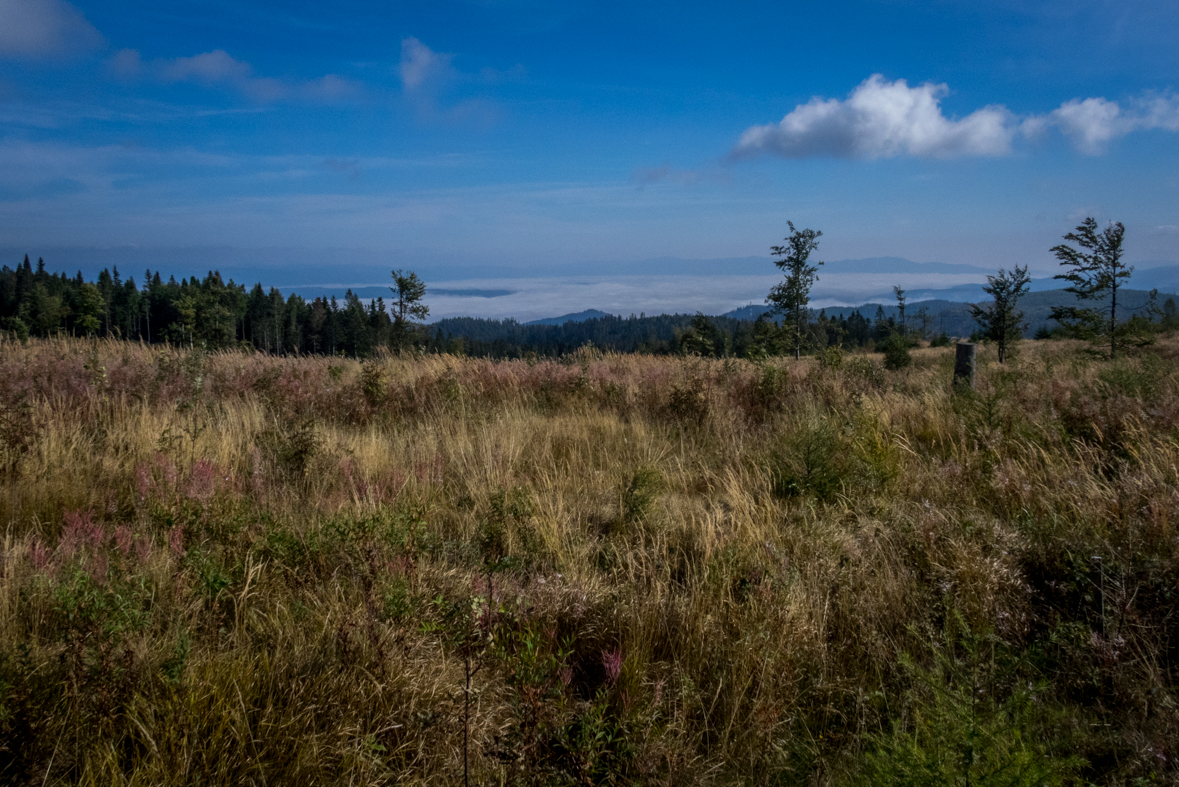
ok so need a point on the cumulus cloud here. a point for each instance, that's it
(44, 28)
(220, 69)
(1091, 124)
(882, 119)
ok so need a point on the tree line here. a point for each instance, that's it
(210, 312)
(214, 314)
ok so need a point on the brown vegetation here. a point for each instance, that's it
(235, 568)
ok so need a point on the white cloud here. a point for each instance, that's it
(220, 69)
(1090, 123)
(882, 119)
(44, 28)
(1093, 123)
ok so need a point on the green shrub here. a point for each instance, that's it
(971, 720)
(863, 369)
(810, 461)
(640, 493)
(831, 356)
(896, 352)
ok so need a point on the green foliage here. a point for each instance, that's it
(865, 371)
(292, 447)
(896, 352)
(1001, 322)
(971, 720)
(372, 383)
(701, 338)
(1096, 272)
(831, 357)
(408, 309)
(639, 495)
(506, 537)
(812, 460)
(19, 328)
(791, 298)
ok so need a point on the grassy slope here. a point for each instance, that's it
(241, 569)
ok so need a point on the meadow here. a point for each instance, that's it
(237, 568)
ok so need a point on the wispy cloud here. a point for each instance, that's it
(666, 173)
(44, 28)
(644, 176)
(427, 76)
(882, 119)
(422, 68)
(219, 69)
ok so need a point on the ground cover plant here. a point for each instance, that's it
(236, 568)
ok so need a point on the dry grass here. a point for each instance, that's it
(234, 569)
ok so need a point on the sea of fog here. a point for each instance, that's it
(537, 298)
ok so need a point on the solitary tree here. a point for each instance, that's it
(1096, 271)
(407, 305)
(1001, 321)
(792, 296)
(897, 291)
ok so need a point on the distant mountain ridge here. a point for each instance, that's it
(954, 317)
(946, 315)
(588, 314)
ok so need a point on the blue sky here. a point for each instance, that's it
(524, 137)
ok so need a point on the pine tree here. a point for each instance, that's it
(1001, 322)
(407, 305)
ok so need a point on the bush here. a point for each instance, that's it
(896, 352)
(831, 357)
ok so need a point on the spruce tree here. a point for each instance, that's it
(792, 297)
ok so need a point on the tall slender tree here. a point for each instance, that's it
(792, 297)
(900, 295)
(1096, 271)
(408, 308)
(1001, 322)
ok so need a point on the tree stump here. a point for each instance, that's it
(964, 365)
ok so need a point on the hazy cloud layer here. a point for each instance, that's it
(882, 119)
(219, 69)
(44, 28)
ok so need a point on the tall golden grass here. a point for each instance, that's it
(235, 568)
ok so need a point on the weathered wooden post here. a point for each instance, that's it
(964, 365)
